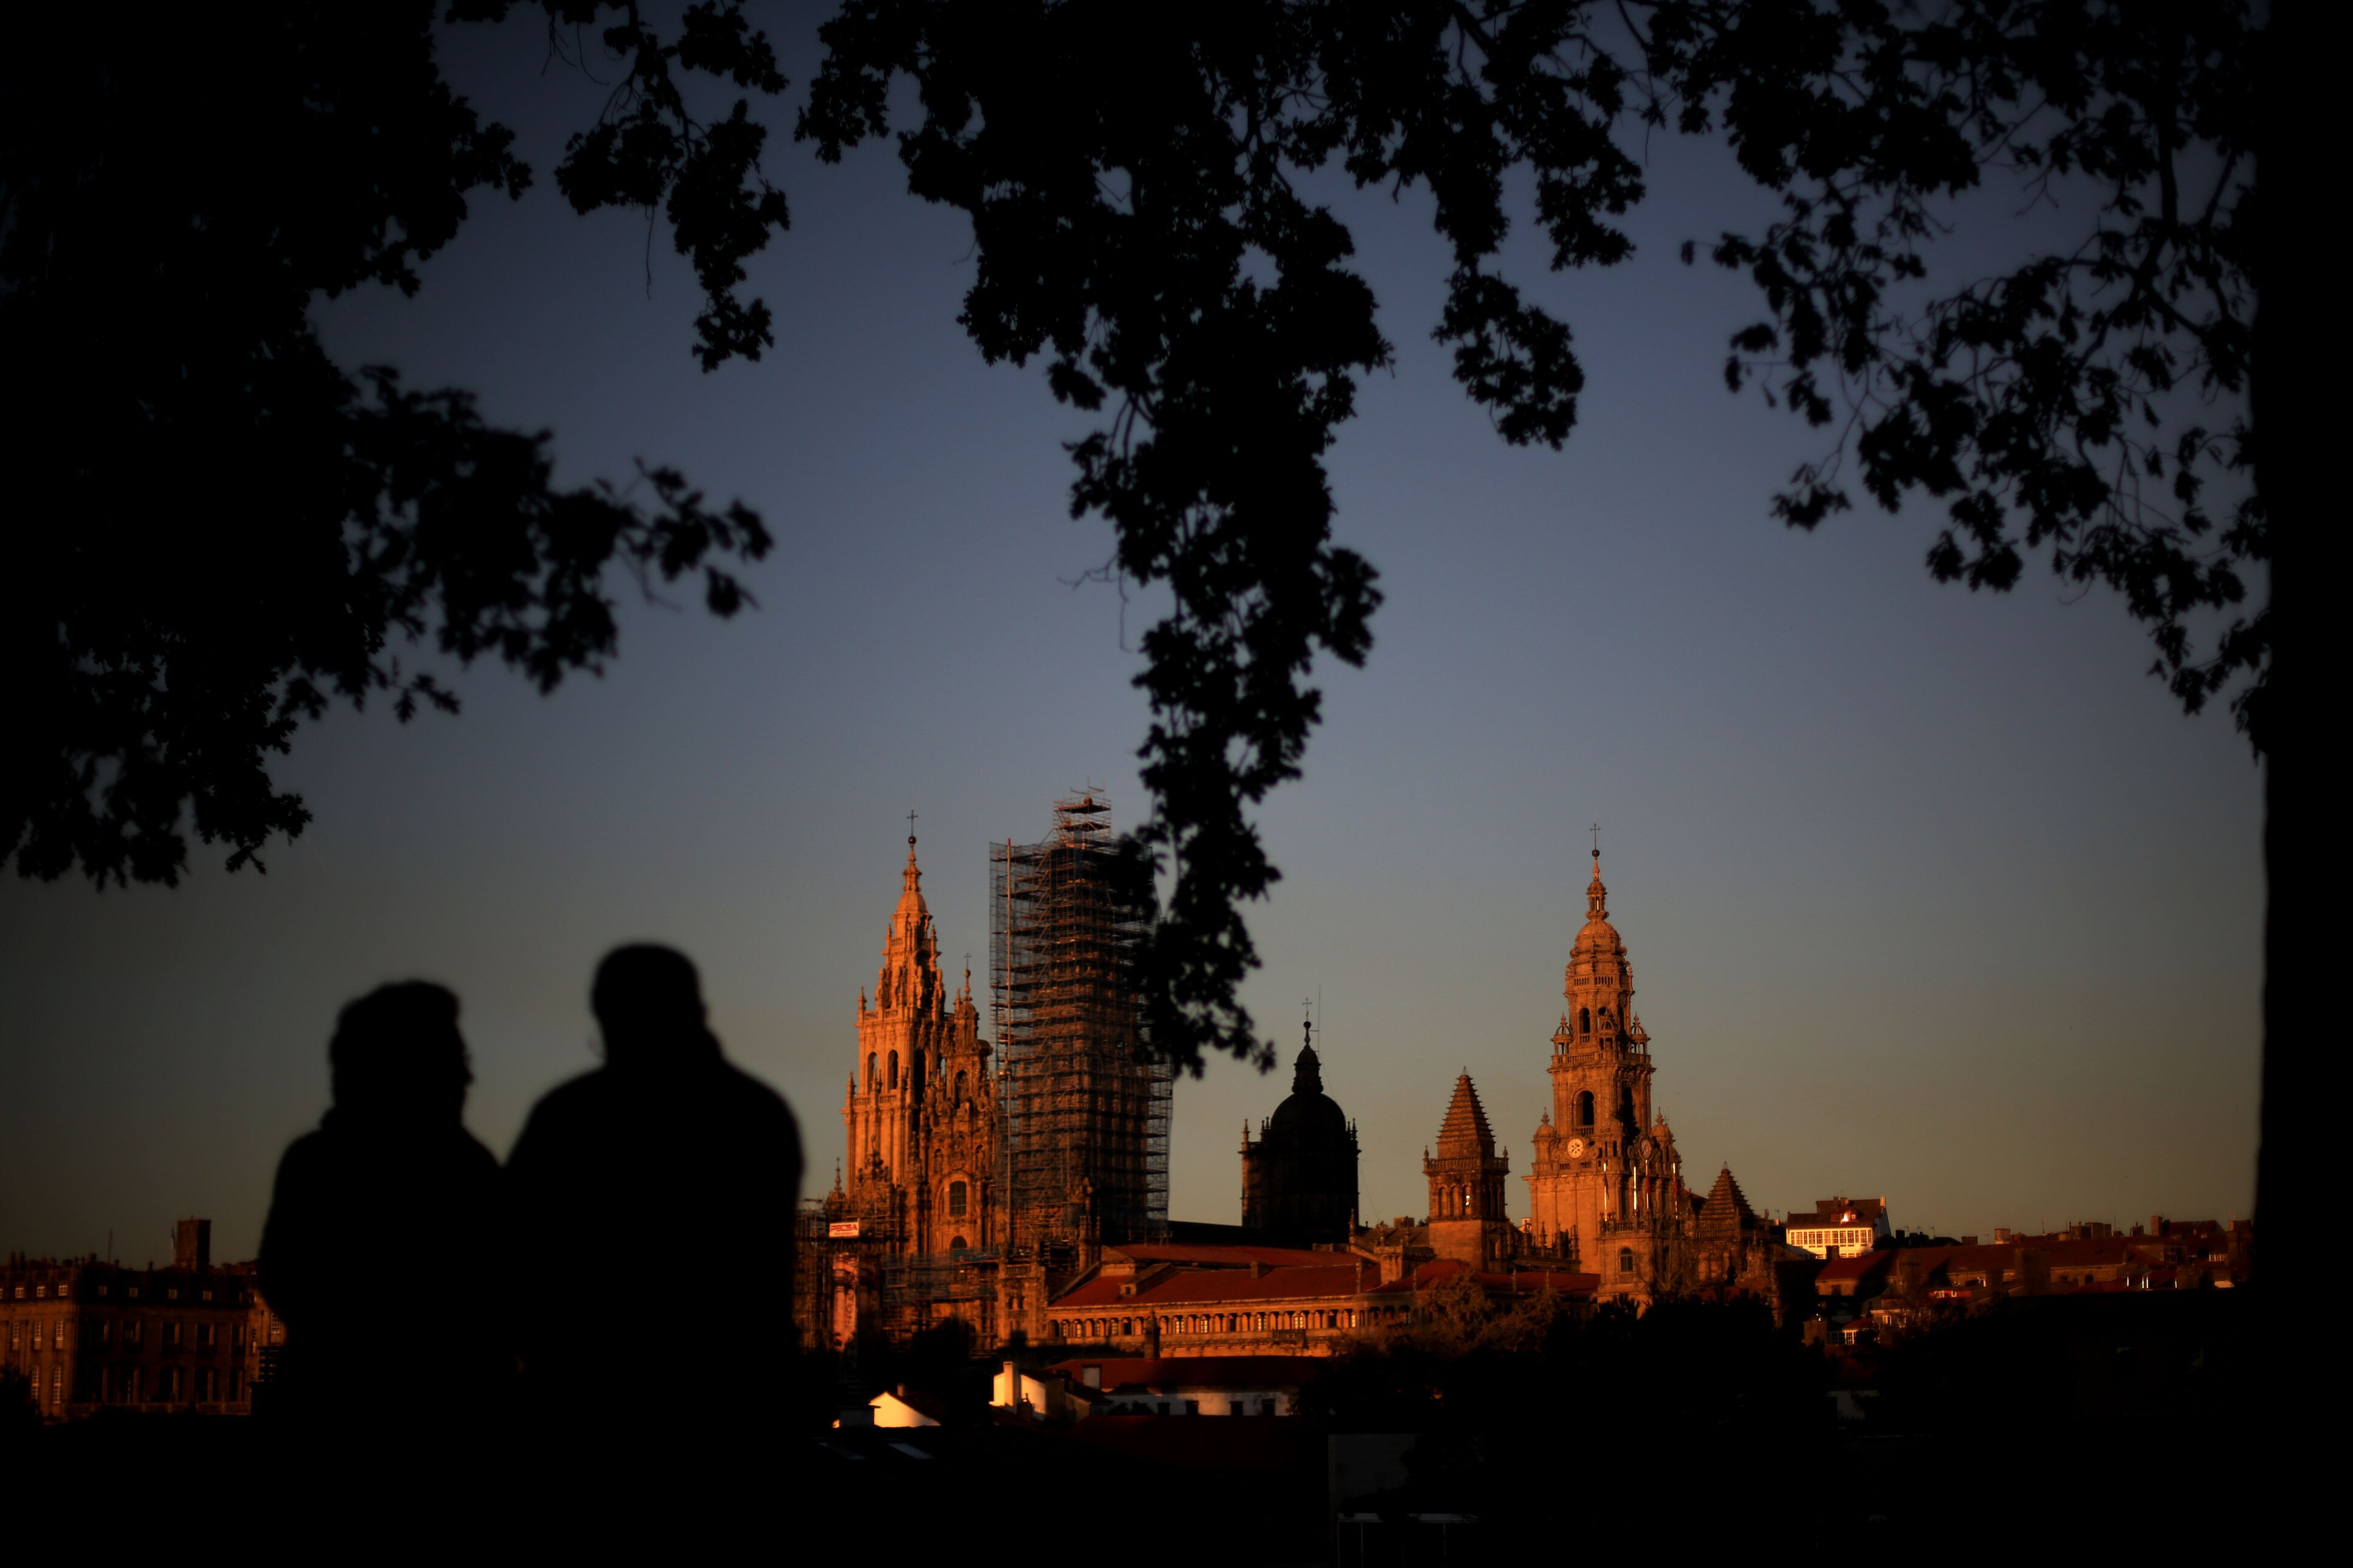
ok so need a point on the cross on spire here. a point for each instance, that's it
(1597, 841)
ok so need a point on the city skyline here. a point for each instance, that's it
(1931, 894)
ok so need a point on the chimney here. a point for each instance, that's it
(192, 1244)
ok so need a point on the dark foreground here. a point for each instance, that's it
(2069, 1429)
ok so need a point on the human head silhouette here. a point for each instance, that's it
(649, 1002)
(397, 1055)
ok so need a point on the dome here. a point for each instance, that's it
(1309, 1115)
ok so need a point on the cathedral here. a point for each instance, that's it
(999, 1185)
(1606, 1190)
(919, 1192)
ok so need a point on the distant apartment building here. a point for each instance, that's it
(1840, 1228)
(90, 1335)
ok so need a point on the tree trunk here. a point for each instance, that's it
(2294, 361)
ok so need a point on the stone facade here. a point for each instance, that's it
(1467, 1222)
(1171, 1299)
(1606, 1193)
(924, 1132)
(88, 1336)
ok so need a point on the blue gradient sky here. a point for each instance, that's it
(1929, 894)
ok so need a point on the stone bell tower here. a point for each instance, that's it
(1466, 1185)
(921, 1113)
(1606, 1190)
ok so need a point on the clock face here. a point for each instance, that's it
(1577, 1148)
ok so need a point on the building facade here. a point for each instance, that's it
(1606, 1192)
(1466, 1221)
(915, 1219)
(88, 1335)
(1175, 1299)
(1840, 1228)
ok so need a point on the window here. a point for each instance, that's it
(959, 1245)
(1585, 1108)
(956, 1191)
(1585, 1020)
(961, 1092)
(871, 1060)
(1192, 1407)
(1625, 1260)
(894, 1070)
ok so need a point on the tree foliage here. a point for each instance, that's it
(216, 532)
(220, 531)
(1134, 177)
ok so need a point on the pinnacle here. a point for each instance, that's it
(1465, 1130)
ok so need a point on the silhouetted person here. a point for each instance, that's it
(381, 1252)
(654, 1201)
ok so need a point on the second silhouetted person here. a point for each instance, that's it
(653, 1200)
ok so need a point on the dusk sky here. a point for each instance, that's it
(1929, 894)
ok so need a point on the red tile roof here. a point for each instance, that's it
(1190, 1287)
(1526, 1281)
(1220, 1255)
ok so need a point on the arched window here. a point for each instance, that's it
(1585, 1108)
(1625, 1260)
(960, 1088)
(956, 1200)
(894, 1070)
(871, 1060)
(1585, 1020)
(916, 1075)
(957, 1245)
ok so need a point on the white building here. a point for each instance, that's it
(1840, 1228)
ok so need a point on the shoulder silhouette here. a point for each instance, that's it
(390, 1183)
(663, 1182)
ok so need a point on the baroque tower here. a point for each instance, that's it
(1607, 1189)
(924, 1126)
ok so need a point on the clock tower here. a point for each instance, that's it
(1606, 1190)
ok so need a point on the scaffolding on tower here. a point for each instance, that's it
(1086, 1108)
